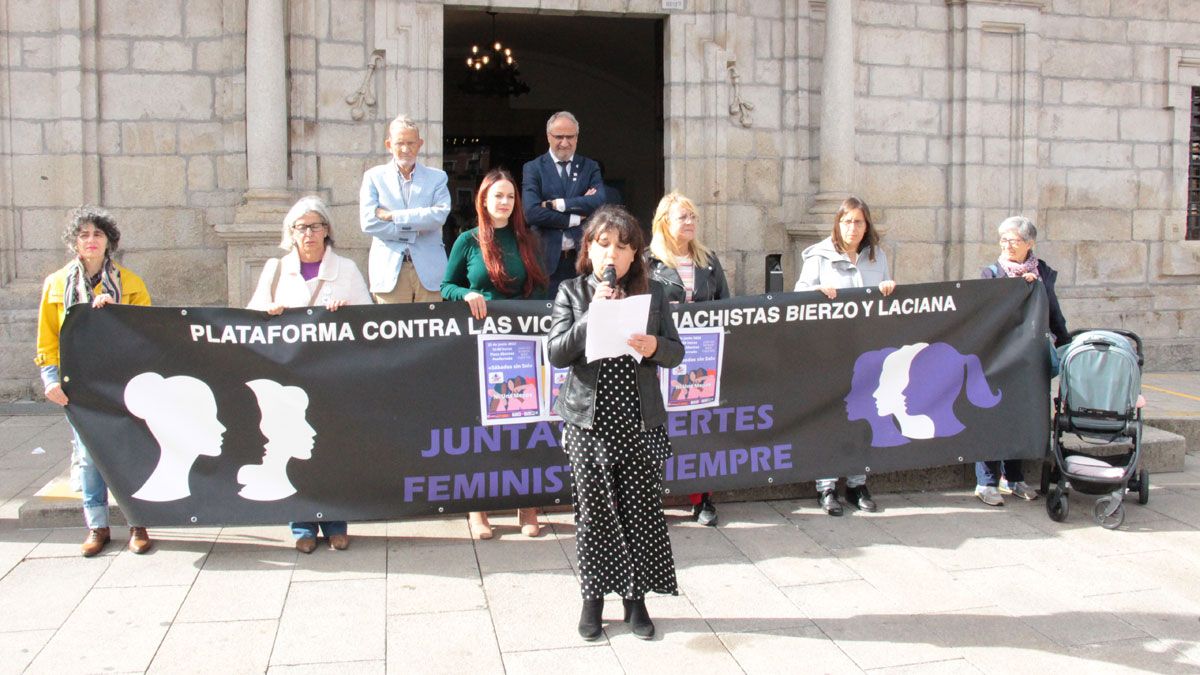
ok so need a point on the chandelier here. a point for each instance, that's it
(495, 73)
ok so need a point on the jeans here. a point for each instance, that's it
(824, 484)
(309, 530)
(988, 473)
(95, 490)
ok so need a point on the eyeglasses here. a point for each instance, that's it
(856, 224)
(564, 137)
(1006, 241)
(315, 228)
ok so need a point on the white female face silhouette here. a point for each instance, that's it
(181, 413)
(889, 396)
(893, 380)
(197, 430)
(289, 436)
(283, 419)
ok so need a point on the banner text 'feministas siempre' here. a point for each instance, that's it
(229, 416)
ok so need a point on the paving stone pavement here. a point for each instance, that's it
(934, 583)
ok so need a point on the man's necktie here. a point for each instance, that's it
(562, 171)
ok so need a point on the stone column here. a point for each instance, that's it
(836, 130)
(266, 98)
(837, 107)
(253, 235)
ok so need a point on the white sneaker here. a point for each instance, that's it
(989, 495)
(1019, 489)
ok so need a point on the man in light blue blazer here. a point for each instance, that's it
(560, 189)
(403, 205)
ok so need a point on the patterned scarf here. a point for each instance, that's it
(1015, 269)
(78, 288)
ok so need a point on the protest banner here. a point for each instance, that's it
(227, 416)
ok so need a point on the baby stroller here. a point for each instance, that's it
(1098, 387)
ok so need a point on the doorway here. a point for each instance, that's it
(607, 71)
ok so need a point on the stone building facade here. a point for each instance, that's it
(197, 121)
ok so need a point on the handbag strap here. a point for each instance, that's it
(275, 279)
(316, 291)
(275, 284)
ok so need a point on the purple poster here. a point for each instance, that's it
(554, 382)
(696, 383)
(509, 379)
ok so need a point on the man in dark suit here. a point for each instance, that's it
(560, 189)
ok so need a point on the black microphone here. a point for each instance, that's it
(610, 276)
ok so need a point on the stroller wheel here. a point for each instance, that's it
(1057, 506)
(1106, 519)
(1143, 487)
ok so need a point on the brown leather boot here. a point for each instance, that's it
(139, 540)
(339, 542)
(96, 540)
(306, 544)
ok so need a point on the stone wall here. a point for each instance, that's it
(1070, 111)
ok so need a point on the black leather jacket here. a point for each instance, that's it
(710, 283)
(576, 402)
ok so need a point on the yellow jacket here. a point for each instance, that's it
(51, 312)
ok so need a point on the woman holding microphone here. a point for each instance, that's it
(613, 432)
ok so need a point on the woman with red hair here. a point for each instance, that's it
(497, 260)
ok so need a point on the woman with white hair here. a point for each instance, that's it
(310, 274)
(1017, 259)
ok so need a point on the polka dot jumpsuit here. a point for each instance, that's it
(621, 534)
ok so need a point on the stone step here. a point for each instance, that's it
(1162, 451)
(1186, 426)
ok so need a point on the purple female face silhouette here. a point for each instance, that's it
(937, 377)
(860, 402)
(929, 388)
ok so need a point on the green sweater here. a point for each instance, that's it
(466, 273)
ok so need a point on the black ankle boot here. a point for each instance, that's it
(830, 503)
(589, 619)
(638, 619)
(861, 498)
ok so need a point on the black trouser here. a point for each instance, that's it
(621, 534)
(565, 270)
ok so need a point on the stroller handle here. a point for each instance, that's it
(1137, 341)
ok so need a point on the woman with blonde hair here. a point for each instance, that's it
(689, 272)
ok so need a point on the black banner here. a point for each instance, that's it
(227, 416)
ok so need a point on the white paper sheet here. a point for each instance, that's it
(612, 322)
